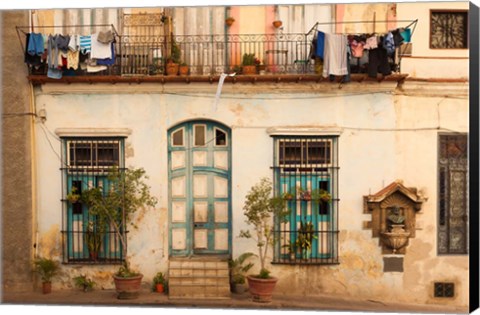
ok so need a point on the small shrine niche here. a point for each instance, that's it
(393, 211)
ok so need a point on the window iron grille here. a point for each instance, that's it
(306, 176)
(448, 29)
(85, 238)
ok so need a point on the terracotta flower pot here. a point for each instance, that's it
(183, 70)
(46, 287)
(229, 21)
(172, 68)
(160, 288)
(249, 69)
(277, 24)
(127, 288)
(261, 289)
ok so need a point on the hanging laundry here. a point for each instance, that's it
(73, 59)
(62, 42)
(388, 43)
(85, 44)
(74, 42)
(99, 50)
(35, 44)
(105, 37)
(108, 61)
(357, 48)
(378, 62)
(320, 45)
(372, 42)
(335, 55)
(33, 60)
(397, 37)
(406, 35)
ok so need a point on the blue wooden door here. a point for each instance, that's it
(199, 162)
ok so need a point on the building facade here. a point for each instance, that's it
(396, 141)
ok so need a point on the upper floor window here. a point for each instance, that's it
(448, 29)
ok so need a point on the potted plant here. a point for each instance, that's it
(238, 271)
(158, 283)
(183, 69)
(277, 23)
(305, 237)
(229, 21)
(287, 196)
(173, 61)
(321, 195)
(94, 236)
(84, 283)
(248, 64)
(47, 269)
(305, 194)
(73, 196)
(127, 194)
(260, 208)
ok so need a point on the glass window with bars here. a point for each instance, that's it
(306, 176)
(88, 162)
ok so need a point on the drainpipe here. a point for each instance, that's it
(33, 170)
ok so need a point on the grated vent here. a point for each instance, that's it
(444, 289)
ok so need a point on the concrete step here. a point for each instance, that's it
(198, 278)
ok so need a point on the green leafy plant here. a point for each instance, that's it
(305, 237)
(94, 236)
(158, 279)
(260, 208)
(175, 53)
(46, 268)
(238, 269)
(248, 60)
(127, 194)
(73, 196)
(321, 195)
(84, 283)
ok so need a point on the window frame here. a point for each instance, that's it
(324, 220)
(453, 11)
(75, 215)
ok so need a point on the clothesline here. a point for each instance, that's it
(412, 22)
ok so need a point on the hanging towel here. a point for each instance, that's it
(99, 50)
(335, 55)
(85, 44)
(320, 45)
(406, 35)
(35, 44)
(105, 37)
(34, 60)
(74, 43)
(108, 61)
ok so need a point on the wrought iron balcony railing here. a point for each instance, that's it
(210, 55)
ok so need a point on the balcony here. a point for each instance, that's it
(141, 58)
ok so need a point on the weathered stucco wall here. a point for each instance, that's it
(17, 200)
(372, 155)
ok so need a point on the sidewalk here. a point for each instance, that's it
(237, 301)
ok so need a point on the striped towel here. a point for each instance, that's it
(85, 44)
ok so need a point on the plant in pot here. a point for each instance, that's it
(127, 194)
(248, 64)
(173, 61)
(229, 21)
(73, 196)
(183, 69)
(321, 195)
(159, 282)
(305, 237)
(260, 208)
(238, 271)
(94, 236)
(47, 269)
(84, 283)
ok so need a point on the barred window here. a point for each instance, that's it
(448, 29)
(306, 176)
(88, 162)
(453, 195)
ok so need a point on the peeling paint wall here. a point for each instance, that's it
(372, 155)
